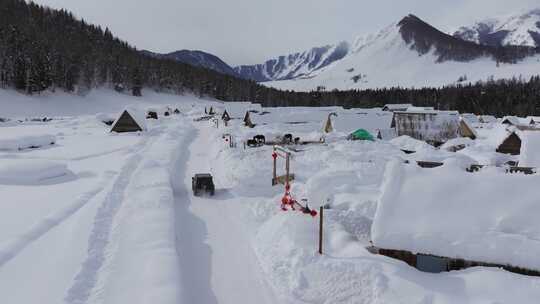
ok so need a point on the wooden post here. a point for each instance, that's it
(321, 210)
(287, 169)
(274, 173)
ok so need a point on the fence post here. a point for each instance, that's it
(321, 210)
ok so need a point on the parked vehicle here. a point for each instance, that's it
(202, 183)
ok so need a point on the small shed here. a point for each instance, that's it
(396, 107)
(510, 145)
(128, 121)
(511, 121)
(434, 127)
(247, 120)
(225, 116)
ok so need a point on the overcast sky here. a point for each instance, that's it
(251, 31)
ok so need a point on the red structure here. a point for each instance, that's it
(287, 201)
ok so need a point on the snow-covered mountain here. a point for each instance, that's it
(294, 65)
(412, 53)
(521, 29)
(199, 59)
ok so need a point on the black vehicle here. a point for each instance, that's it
(201, 183)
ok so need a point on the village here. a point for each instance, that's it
(402, 188)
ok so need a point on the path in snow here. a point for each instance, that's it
(217, 262)
(86, 279)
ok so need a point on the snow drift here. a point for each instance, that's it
(30, 171)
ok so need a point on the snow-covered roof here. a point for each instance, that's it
(487, 118)
(455, 142)
(533, 119)
(427, 110)
(386, 134)
(488, 216)
(513, 120)
(421, 109)
(397, 106)
(530, 149)
(408, 143)
(470, 118)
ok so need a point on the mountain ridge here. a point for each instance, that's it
(197, 58)
(518, 29)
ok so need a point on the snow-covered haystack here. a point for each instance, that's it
(30, 171)
(13, 139)
(487, 216)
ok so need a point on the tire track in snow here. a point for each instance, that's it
(16, 245)
(87, 277)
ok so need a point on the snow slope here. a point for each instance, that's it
(385, 60)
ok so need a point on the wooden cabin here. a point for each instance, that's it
(128, 121)
(511, 121)
(434, 127)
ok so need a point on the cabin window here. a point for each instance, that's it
(429, 263)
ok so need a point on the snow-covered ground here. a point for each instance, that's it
(110, 218)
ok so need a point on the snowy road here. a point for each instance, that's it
(217, 262)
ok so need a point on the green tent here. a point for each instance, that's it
(361, 134)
